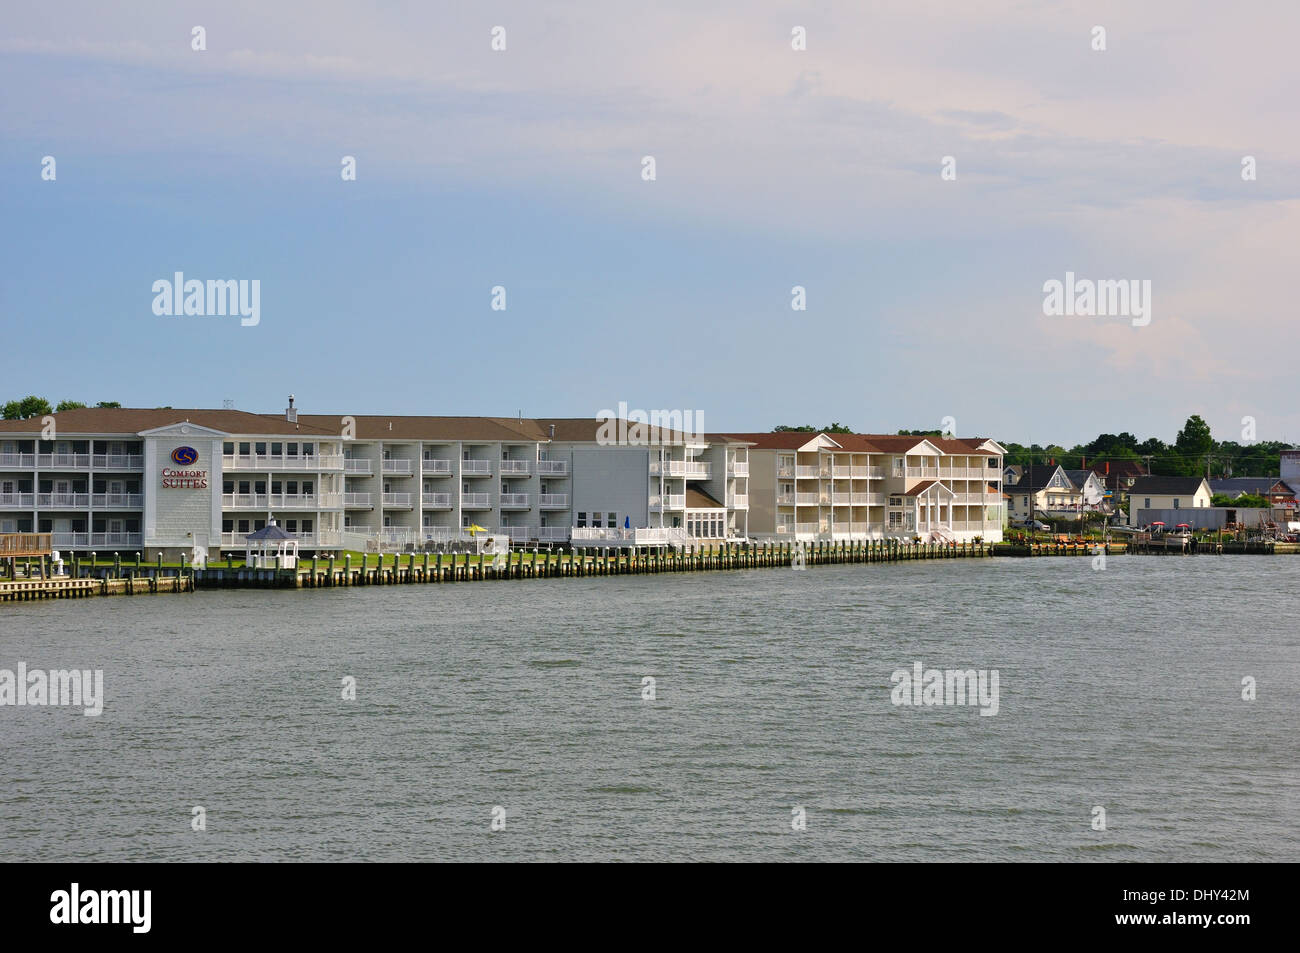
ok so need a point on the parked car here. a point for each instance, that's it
(1036, 525)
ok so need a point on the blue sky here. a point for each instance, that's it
(775, 168)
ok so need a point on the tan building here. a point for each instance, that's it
(867, 486)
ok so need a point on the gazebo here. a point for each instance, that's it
(264, 546)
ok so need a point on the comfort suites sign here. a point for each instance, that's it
(183, 476)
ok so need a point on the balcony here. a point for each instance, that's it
(435, 467)
(116, 461)
(737, 468)
(399, 500)
(812, 473)
(691, 469)
(553, 501)
(553, 468)
(739, 501)
(243, 501)
(807, 499)
(95, 540)
(24, 461)
(357, 501)
(514, 501)
(281, 461)
(696, 470)
(474, 501)
(305, 501)
(398, 467)
(62, 500)
(785, 499)
(117, 501)
(356, 465)
(17, 501)
(931, 473)
(436, 501)
(63, 461)
(553, 534)
(519, 467)
(786, 471)
(517, 534)
(668, 501)
(476, 468)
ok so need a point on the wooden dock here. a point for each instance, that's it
(66, 587)
(413, 568)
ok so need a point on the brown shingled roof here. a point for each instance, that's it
(129, 420)
(697, 499)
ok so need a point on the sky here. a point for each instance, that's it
(774, 168)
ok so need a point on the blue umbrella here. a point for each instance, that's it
(627, 522)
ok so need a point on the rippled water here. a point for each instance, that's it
(1119, 688)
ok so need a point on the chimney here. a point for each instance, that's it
(291, 413)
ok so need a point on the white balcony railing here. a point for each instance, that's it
(356, 500)
(399, 467)
(436, 501)
(691, 469)
(356, 465)
(553, 468)
(307, 540)
(436, 466)
(785, 499)
(9, 501)
(807, 499)
(738, 501)
(517, 534)
(244, 501)
(553, 501)
(805, 472)
(282, 461)
(476, 467)
(23, 461)
(923, 472)
(474, 501)
(668, 501)
(116, 461)
(67, 500)
(514, 501)
(739, 469)
(123, 501)
(517, 466)
(398, 499)
(63, 461)
(553, 534)
(785, 472)
(95, 540)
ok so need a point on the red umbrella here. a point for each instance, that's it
(1157, 523)
(1182, 525)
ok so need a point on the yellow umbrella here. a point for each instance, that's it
(475, 528)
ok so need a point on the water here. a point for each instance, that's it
(1119, 689)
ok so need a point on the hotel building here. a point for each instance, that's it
(170, 481)
(873, 486)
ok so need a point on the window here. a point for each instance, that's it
(611, 519)
(291, 526)
(306, 526)
(895, 501)
(260, 449)
(582, 520)
(308, 449)
(277, 449)
(227, 526)
(228, 448)
(1176, 503)
(243, 526)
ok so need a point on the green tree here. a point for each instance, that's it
(837, 428)
(69, 405)
(108, 403)
(1194, 444)
(23, 408)
(782, 428)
